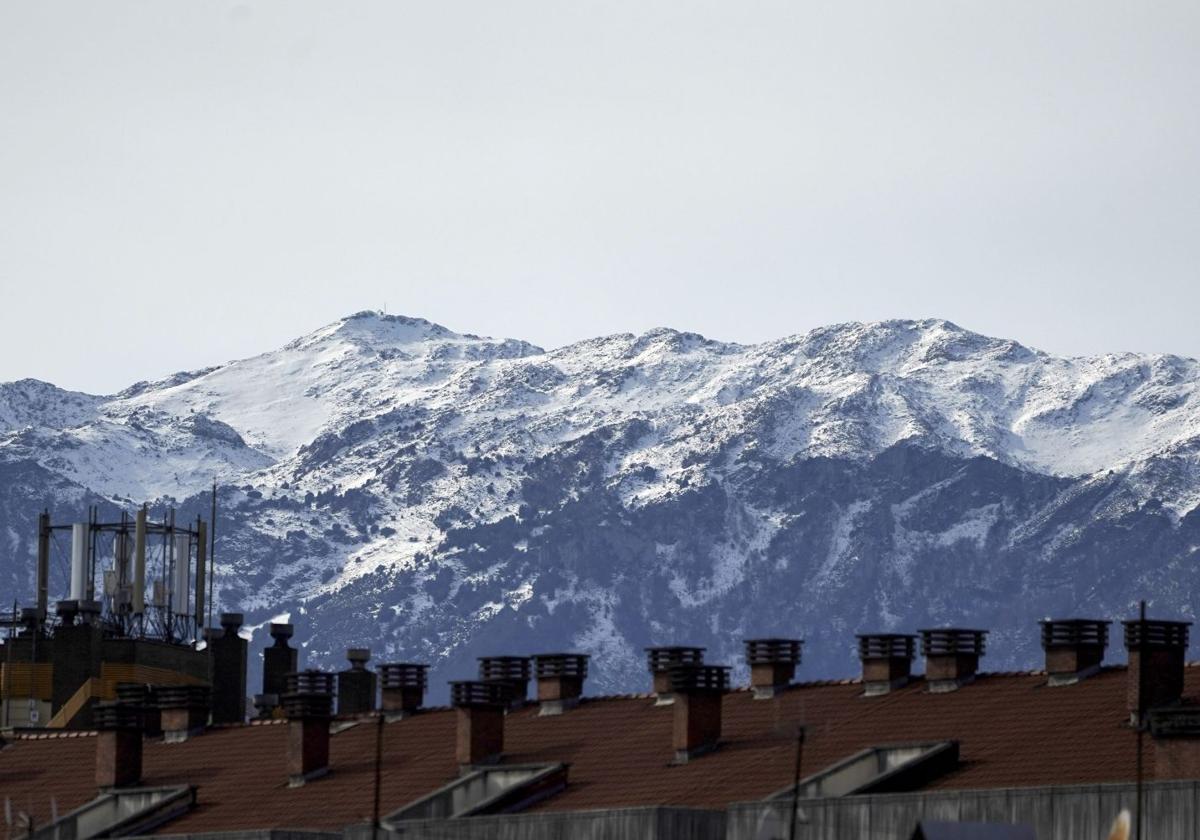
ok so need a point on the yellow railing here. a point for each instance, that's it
(112, 673)
(74, 706)
(104, 687)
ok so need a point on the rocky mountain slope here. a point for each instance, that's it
(387, 482)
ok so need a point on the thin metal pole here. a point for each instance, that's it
(212, 550)
(1141, 728)
(378, 772)
(796, 780)
(8, 669)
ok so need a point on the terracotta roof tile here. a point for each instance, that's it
(1014, 731)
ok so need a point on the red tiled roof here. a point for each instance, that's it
(1014, 731)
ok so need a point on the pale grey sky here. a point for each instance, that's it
(182, 183)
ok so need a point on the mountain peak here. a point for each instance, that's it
(903, 343)
(376, 330)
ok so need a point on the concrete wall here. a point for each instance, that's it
(1171, 812)
(617, 824)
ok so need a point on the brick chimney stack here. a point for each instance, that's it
(279, 660)
(118, 745)
(1074, 648)
(772, 665)
(308, 704)
(1156, 659)
(356, 685)
(229, 659)
(404, 686)
(1176, 734)
(697, 690)
(660, 661)
(183, 710)
(951, 657)
(512, 670)
(560, 679)
(480, 707)
(886, 661)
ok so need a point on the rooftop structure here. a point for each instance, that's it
(490, 754)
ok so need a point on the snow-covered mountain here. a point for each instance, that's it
(388, 482)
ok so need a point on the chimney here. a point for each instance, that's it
(560, 679)
(772, 665)
(886, 661)
(144, 697)
(1176, 734)
(89, 611)
(75, 656)
(183, 710)
(118, 745)
(403, 690)
(660, 661)
(356, 685)
(951, 657)
(265, 706)
(480, 706)
(697, 690)
(1074, 648)
(279, 660)
(229, 657)
(1156, 657)
(513, 670)
(66, 612)
(31, 621)
(308, 704)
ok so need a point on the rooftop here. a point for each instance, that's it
(1013, 730)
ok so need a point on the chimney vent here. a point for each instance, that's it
(356, 685)
(183, 710)
(513, 670)
(31, 620)
(1156, 659)
(1176, 734)
(118, 745)
(66, 612)
(308, 705)
(404, 686)
(886, 661)
(230, 653)
(480, 706)
(265, 705)
(697, 690)
(772, 664)
(144, 697)
(660, 661)
(560, 679)
(1074, 648)
(951, 656)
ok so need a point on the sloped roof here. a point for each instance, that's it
(1013, 730)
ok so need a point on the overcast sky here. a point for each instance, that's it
(182, 183)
